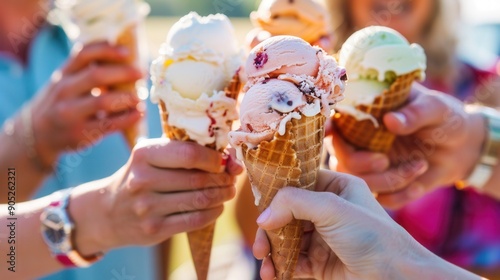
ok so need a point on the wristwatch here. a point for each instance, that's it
(58, 233)
(483, 170)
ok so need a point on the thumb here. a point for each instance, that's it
(290, 203)
(424, 109)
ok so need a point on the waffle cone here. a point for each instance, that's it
(200, 241)
(292, 159)
(128, 39)
(364, 134)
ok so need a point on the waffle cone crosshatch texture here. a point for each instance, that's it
(292, 159)
(365, 134)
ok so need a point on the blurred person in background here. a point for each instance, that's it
(60, 116)
(458, 225)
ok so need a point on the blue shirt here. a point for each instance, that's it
(18, 84)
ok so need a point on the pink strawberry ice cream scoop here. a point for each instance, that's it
(280, 55)
(266, 108)
(287, 79)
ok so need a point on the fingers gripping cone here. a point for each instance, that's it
(364, 134)
(200, 241)
(292, 159)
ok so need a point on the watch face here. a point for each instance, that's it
(54, 230)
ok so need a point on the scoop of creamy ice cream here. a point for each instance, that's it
(200, 55)
(280, 55)
(381, 53)
(266, 107)
(286, 88)
(307, 19)
(197, 61)
(103, 20)
(191, 78)
(290, 58)
(209, 38)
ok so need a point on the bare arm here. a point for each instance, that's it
(134, 206)
(353, 237)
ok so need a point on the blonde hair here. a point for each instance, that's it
(439, 38)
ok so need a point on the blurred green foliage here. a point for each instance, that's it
(232, 8)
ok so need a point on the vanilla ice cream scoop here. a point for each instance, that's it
(102, 20)
(197, 61)
(381, 53)
(307, 19)
(209, 38)
(199, 56)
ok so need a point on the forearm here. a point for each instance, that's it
(32, 257)
(422, 264)
(29, 256)
(14, 157)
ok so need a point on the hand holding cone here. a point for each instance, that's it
(289, 160)
(382, 66)
(364, 134)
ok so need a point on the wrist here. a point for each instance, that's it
(91, 229)
(419, 263)
(58, 232)
(486, 159)
(21, 129)
(478, 137)
(47, 153)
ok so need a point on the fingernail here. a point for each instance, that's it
(400, 117)
(379, 162)
(264, 216)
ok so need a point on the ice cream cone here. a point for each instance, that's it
(292, 159)
(364, 134)
(200, 241)
(200, 244)
(128, 39)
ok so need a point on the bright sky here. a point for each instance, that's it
(481, 11)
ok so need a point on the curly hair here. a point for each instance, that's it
(439, 35)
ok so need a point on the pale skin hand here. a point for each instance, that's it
(438, 144)
(165, 188)
(352, 238)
